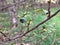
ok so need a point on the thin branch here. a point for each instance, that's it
(36, 26)
(49, 2)
(19, 36)
(3, 34)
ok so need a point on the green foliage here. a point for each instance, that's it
(36, 35)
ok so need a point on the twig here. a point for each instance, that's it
(36, 25)
(49, 2)
(20, 36)
(3, 34)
